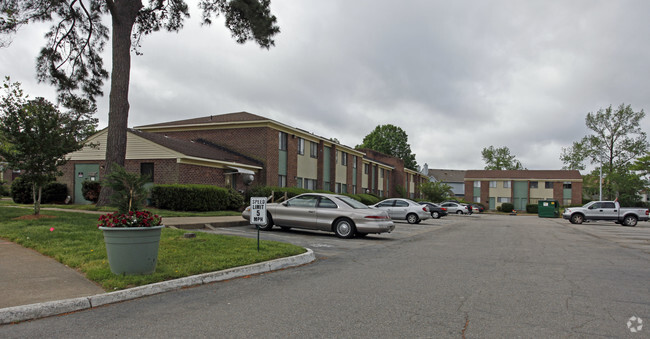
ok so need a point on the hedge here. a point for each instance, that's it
(198, 198)
(507, 207)
(532, 208)
(52, 193)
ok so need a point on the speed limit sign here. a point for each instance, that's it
(258, 211)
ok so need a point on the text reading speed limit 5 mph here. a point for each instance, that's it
(258, 210)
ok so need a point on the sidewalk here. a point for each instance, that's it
(35, 286)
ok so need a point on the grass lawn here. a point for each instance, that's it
(162, 213)
(74, 240)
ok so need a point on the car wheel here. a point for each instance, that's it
(577, 219)
(412, 218)
(459, 212)
(269, 223)
(629, 220)
(435, 215)
(344, 228)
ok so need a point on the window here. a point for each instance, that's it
(386, 203)
(283, 141)
(381, 173)
(146, 169)
(344, 188)
(366, 168)
(310, 184)
(326, 185)
(401, 203)
(354, 161)
(548, 185)
(337, 188)
(307, 201)
(477, 184)
(381, 193)
(282, 180)
(566, 185)
(301, 146)
(354, 189)
(326, 203)
(299, 182)
(477, 199)
(608, 204)
(533, 184)
(493, 184)
(503, 199)
(313, 149)
(506, 184)
(344, 159)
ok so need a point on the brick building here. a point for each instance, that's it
(522, 187)
(231, 150)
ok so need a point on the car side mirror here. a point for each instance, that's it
(286, 203)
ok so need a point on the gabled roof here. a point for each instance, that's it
(212, 119)
(238, 119)
(198, 148)
(447, 175)
(523, 174)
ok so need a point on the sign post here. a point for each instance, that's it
(258, 215)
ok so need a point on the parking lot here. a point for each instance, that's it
(327, 244)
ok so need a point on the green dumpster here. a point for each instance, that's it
(548, 209)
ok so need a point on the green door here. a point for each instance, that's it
(492, 204)
(520, 198)
(84, 172)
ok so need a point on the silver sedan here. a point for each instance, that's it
(404, 209)
(340, 214)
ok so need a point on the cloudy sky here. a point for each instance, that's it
(457, 76)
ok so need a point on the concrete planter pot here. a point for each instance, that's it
(132, 250)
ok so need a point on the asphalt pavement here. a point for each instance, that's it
(36, 286)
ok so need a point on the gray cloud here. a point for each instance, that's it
(456, 76)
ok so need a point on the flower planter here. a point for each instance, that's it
(132, 250)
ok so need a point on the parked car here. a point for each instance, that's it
(454, 207)
(478, 208)
(436, 210)
(340, 214)
(606, 210)
(404, 209)
(470, 208)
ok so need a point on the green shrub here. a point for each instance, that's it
(21, 191)
(54, 193)
(90, 190)
(507, 207)
(532, 208)
(195, 198)
(367, 199)
(4, 188)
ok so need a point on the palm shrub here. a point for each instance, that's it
(129, 193)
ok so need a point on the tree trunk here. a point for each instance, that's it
(37, 198)
(123, 16)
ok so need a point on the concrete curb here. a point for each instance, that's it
(46, 309)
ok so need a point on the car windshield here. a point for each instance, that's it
(352, 203)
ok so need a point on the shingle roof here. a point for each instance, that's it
(447, 175)
(211, 119)
(198, 148)
(523, 174)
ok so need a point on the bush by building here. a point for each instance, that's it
(90, 190)
(532, 208)
(53, 192)
(507, 207)
(198, 198)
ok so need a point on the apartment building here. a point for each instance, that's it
(241, 149)
(522, 187)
